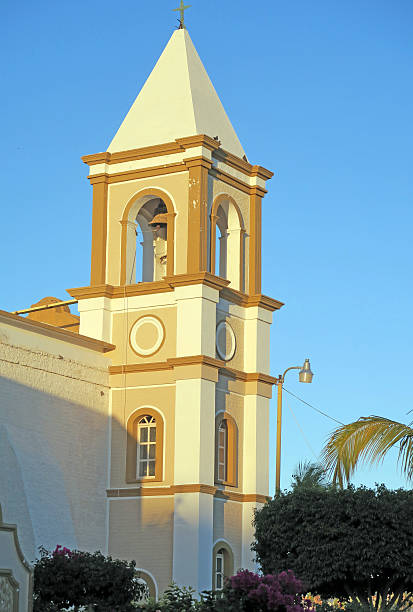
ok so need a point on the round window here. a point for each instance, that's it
(225, 341)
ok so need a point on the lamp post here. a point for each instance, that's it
(305, 376)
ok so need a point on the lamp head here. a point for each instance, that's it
(305, 375)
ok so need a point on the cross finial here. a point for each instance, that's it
(182, 8)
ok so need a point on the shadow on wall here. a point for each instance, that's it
(54, 458)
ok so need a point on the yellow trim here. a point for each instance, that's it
(178, 146)
(99, 233)
(148, 491)
(133, 175)
(197, 214)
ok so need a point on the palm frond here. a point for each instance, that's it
(367, 441)
(309, 475)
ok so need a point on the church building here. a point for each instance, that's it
(141, 427)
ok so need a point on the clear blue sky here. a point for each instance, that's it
(320, 92)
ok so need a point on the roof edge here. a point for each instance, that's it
(55, 332)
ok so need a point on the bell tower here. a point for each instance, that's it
(176, 287)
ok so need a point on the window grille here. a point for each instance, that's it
(219, 569)
(146, 451)
(222, 450)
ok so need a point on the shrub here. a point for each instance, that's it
(72, 579)
(354, 544)
(244, 592)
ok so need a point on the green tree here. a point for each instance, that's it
(367, 440)
(309, 475)
(352, 543)
(68, 578)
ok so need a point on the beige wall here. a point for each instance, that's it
(228, 527)
(121, 328)
(141, 529)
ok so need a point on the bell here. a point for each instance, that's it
(160, 215)
(305, 375)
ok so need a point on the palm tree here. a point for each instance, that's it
(309, 475)
(367, 441)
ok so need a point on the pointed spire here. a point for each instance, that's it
(177, 100)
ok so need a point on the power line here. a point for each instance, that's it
(302, 431)
(314, 408)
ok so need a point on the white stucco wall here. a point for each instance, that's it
(53, 440)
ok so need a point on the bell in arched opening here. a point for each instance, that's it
(159, 226)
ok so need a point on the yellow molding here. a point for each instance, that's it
(199, 140)
(197, 278)
(178, 146)
(247, 301)
(235, 182)
(192, 162)
(133, 175)
(111, 291)
(178, 280)
(55, 332)
(168, 148)
(196, 360)
(148, 490)
(130, 368)
(256, 383)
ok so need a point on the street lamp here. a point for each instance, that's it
(305, 375)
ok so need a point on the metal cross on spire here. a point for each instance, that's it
(182, 8)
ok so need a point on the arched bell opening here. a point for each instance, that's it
(227, 242)
(151, 242)
(147, 239)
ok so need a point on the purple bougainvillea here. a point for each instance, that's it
(268, 592)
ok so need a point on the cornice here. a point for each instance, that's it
(247, 301)
(176, 362)
(235, 182)
(111, 291)
(146, 491)
(242, 165)
(55, 332)
(178, 280)
(133, 175)
(197, 278)
(180, 145)
(195, 360)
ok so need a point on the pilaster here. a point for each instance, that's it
(198, 214)
(99, 232)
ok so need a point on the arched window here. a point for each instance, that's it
(227, 242)
(222, 450)
(223, 565)
(226, 451)
(146, 447)
(219, 569)
(144, 452)
(148, 582)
